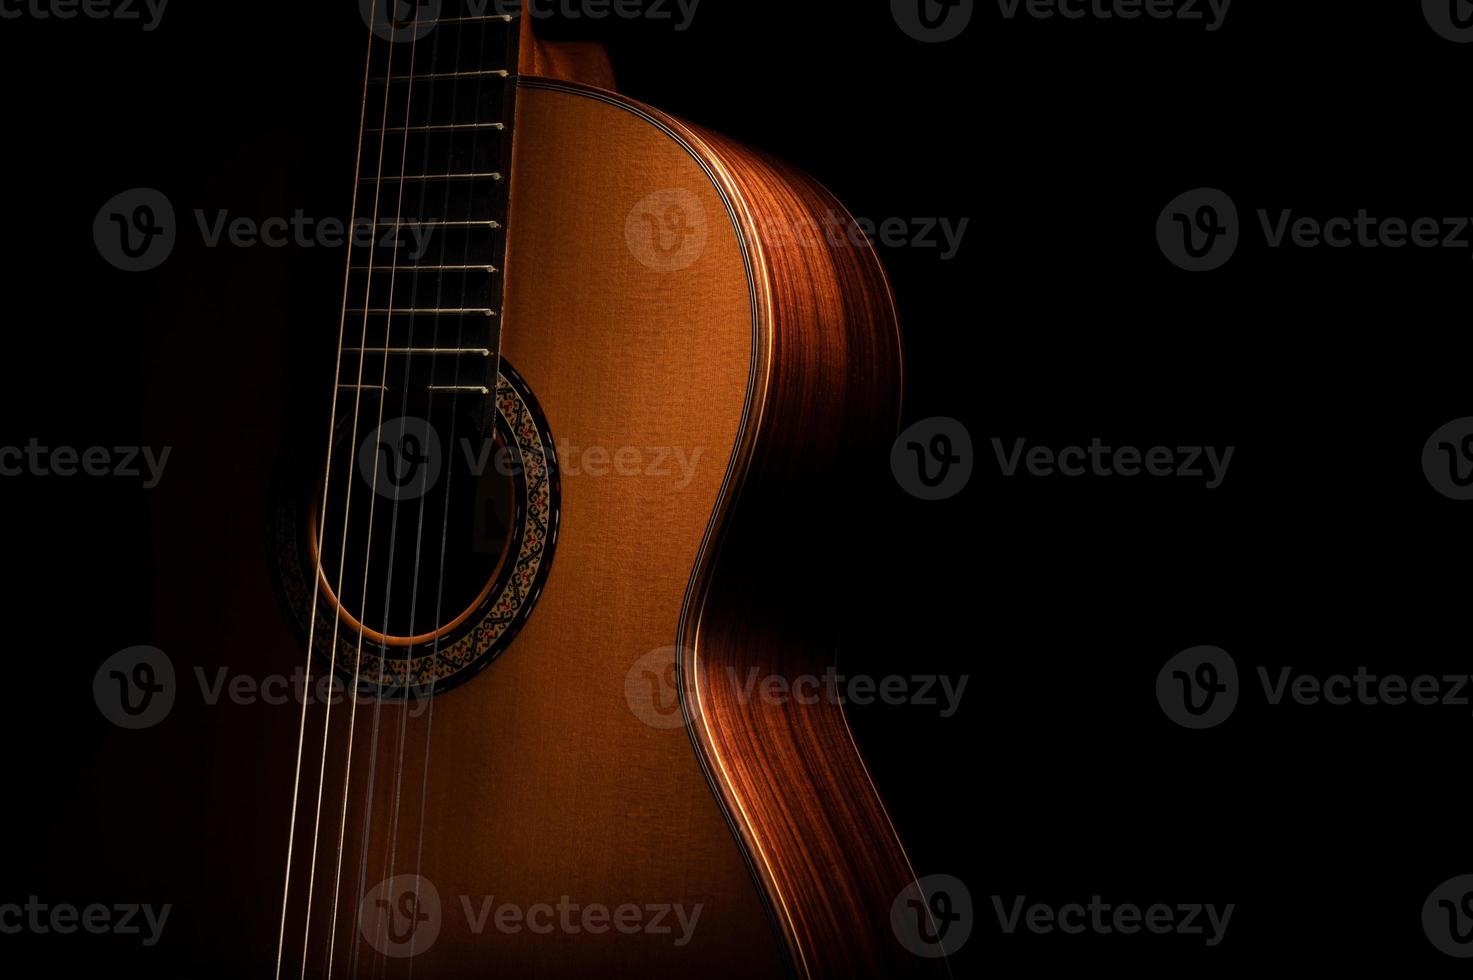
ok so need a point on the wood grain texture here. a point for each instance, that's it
(790, 772)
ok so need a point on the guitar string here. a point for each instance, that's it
(322, 510)
(373, 499)
(448, 472)
(440, 288)
(348, 496)
(510, 51)
(369, 789)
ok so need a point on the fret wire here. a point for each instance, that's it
(499, 18)
(478, 351)
(445, 149)
(431, 311)
(426, 177)
(433, 76)
(436, 128)
(423, 268)
(437, 223)
(429, 24)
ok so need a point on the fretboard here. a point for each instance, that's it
(424, 289)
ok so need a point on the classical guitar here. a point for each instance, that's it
(601, 380)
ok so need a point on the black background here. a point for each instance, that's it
(1059, 321)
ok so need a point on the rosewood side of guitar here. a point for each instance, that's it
(787, 769)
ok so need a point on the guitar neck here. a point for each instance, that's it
(425, 285)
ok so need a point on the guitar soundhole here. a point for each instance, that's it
(438, 537)
(429, 504)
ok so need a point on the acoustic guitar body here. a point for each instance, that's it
(697, 352)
